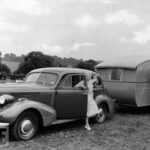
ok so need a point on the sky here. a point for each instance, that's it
(83, 29)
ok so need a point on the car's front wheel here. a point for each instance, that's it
(102, 113)
(25, 127)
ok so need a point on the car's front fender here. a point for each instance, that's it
(107, 100)
(10, 112)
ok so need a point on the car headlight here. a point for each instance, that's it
(6, 98)
(2, 100)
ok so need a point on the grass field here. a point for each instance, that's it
(128, 129)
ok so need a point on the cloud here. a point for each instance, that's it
(122, 16)
(77, 46)
(93, 1)
(86, 21)
(54, 50)
(109, 1)
(30, 7)
(142, 37)
(101, 1)
(123, 39)
(5, 39)
(12, 27)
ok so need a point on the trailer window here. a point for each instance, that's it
(116, 74)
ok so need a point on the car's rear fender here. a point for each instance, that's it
(10, 113)
(107, 101)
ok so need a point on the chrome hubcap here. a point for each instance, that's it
(27, 127)
(101, 115)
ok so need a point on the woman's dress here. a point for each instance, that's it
(92, 108)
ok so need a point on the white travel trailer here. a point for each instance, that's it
(127, 80)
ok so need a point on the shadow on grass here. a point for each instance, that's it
(74, 125)
(67, 127)
(61, 129)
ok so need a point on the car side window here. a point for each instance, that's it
(77, 79)
(70, 81)
(67, 82)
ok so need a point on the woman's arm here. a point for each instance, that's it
(80, 85)
(94, 79)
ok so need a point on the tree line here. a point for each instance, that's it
(37, 59)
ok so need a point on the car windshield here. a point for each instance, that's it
(42, 78)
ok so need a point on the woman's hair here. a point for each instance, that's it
(88, 76)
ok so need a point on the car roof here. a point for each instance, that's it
(61, 70)
(128, 62)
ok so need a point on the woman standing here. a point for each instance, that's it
(92, 108)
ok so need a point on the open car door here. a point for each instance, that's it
(70, 101)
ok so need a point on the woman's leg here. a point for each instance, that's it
(87, 126)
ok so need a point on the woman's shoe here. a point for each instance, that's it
(87, 127)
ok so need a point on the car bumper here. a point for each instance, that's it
(3, 125)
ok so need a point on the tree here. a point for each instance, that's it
(89, 64)
(13, 58)
(34, 60)
(70, 62)
(57, 61)
(4, 69)
(65, 62)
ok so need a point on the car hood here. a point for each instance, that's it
(23, 87)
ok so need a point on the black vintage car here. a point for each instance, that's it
(48, 96)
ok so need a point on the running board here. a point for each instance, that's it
(64, 121)
(68, 120)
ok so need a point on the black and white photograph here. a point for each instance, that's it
(74, 75)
